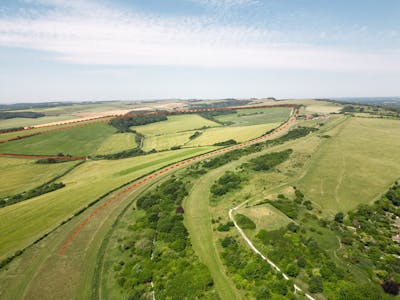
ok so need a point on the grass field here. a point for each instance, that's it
(175, 124)
(238, 133)
(355, 165)
(166, 141)
(265, 216)
(24, 222)
(26, 122)
(17, 174)
(116, 143)
(75, 141)
(244, 117)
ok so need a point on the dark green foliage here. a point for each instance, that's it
(244, 222)
(158, 250)
(20, 114)
(225, 227)
(391, 287)
(227, 182)
(47, 188)
(229, 241)
(270, 160)
(292, 270)
(195, 135)
(315, 284)
(288, 207)
(123, 154)
(293, 227)
(124, 124)
(11, 129)
(339, 217)
(308, 204)
(226, 143)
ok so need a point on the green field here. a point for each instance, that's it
(17, 174)
(355, 165)
(237, 133)
(175, 124)
(256, 116)
(166, 141)
(24, 222)
(116, 143)
(265, 216)
(75, 141)
(26, 122)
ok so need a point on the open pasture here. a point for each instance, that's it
(27, 122)
(355, 165)
(256, 116)
(237, 133)
(175, 124)
(24, 222)
(76, 141)
(22, 174)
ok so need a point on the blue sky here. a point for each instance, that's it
(53, 50)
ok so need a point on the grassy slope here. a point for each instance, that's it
(256, 116)
(238, 133)
(116, 143)
(17, 174)
(25, 122)
(355, 165)
(175, 124)
(24, 222)
(75, 141)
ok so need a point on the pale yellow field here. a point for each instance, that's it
(116, 143)
(175, 124)
(162, 142)
(237, 133)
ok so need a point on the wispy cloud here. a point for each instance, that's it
(84, 32)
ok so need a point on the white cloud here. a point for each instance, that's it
(81, 32)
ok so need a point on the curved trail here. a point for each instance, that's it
(61, 266)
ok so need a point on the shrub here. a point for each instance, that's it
(244, 222)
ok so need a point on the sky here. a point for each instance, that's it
(68, 50)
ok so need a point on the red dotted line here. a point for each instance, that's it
(76, 231)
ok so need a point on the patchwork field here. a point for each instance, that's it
(237, 133)
(355, 165)
(166, 141)
(244, 117)
(175, 124)
(17, 174)
(24, 222)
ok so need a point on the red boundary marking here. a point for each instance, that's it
(76, 231)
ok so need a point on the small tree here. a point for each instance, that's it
(315, 284)
(339, 217)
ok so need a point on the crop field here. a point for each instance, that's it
(75, 141)
(175, 124)
(17, 174)
(23, 222)
(237, 133)
(26, 122)
(116, 143)
(244, 117)
(166, 141)
(355, 165)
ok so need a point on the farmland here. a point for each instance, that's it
(287, 190)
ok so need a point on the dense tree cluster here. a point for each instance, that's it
(226, 143)
(124, 124)
(227, 182)
(158, 250)
(20, 114)
(268, 161)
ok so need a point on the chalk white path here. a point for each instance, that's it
(252, 247)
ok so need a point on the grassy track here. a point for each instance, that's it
(77, 141)
(24, 222)
(255, 116)
(175, 124)
(116, 143)
(17, 174)
(355, 165)
(238, 133)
